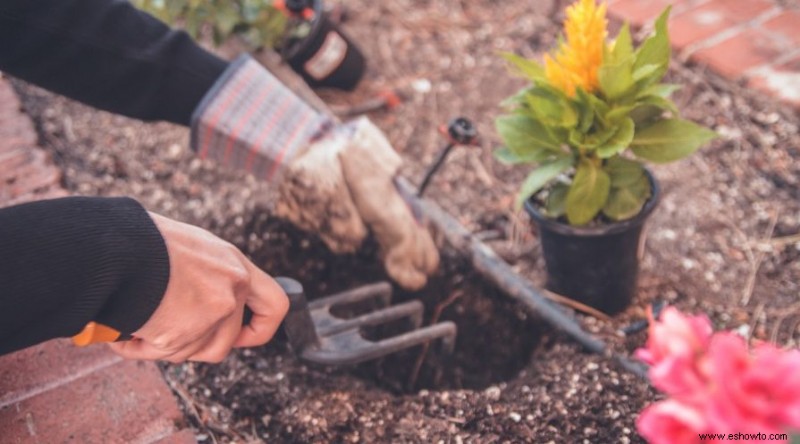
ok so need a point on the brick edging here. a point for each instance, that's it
(55, 392)
(753, 41)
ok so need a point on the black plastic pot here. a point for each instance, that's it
(326, 56)
(598, 266)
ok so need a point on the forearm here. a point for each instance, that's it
(65, 262)
(108, 54)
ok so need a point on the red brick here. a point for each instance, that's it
(781, 81)
(708, 19)
(784, 27)
(12, 159)
(123, 403)
(36, 369)
(28, 179)
(16, 132)
(734, 56)
(185, 436)
(641, 12)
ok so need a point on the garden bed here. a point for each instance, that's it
(713, 246)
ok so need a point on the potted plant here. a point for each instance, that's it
(593, 112)
(300, 30)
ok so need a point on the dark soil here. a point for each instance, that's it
(721, 242)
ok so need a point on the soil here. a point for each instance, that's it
(723, 242)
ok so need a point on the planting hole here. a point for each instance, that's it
(496, 338)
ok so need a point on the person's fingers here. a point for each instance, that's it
(138, 349)
(187, 352)
(219, 346)
(269, 305)
(179, 351)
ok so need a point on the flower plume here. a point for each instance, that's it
(577, 59)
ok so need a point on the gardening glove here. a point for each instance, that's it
(335, 180)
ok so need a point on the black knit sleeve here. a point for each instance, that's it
(108, 54)
(65, 262)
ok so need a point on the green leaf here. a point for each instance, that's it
(644, 71)
(623, 172)
(588, 193)
(616, 79)
(552, 107)
(626, 202)
(661, 90)
(656, 49)
(601, 108)
(623, 45)
(646, 115)
(227, 17)
(577, 138)
(523, 134)
(619, 113)
(531, 69)
(659, 102)
(619, 141)
(599, 137)
(556, 199)
(516, 99)
(541, 176)
(669, 140)
(509, 157)
(586, 110)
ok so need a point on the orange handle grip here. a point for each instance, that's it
(95, 333)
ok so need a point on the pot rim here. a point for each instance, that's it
(603, 230)
(316, 25)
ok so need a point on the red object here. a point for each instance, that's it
(280, 5)
(391, 98)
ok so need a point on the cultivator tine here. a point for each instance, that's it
(412, 310)
(381, 292)
(315, 334)
(351, 348)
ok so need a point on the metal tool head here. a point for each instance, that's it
(317, 335)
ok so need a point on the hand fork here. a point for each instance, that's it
(316, 335)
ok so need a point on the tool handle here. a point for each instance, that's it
(95, 332)
(292, 288)
(298, 325)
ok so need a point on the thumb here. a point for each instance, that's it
(269, 305)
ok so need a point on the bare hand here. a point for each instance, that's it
(200, 315)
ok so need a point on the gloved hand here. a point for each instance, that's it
(335, 180)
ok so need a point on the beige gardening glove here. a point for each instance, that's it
(345, 183)
(336, 180)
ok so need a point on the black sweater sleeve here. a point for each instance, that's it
(108, 54)
(65, 262)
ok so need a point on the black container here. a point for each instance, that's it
(597, 266)
(326, 56)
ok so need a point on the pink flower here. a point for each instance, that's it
(753, 393)
(671, 422)
(674, 350)
(716, 384)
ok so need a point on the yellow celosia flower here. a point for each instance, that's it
(577, 60)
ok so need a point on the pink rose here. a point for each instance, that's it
(674, 350)
(671, 422)
(777, 373)
(753, 393)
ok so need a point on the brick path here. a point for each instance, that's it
(54, 392)
(754, 41)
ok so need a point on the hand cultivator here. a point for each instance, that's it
(316, 335)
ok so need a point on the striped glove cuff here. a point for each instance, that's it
(249, 120)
